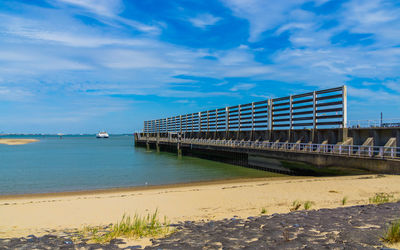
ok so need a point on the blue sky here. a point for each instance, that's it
(79, 66)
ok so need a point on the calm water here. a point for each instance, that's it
(86, 163)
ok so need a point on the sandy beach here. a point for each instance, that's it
(17, 141)
(41, 213)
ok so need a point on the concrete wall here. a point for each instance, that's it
(380, 135)
(265, 159)
(373, 165)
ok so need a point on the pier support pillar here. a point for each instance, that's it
(147, 146)
(313, 135)
(158, 147)
(343, 134)
(179, 150)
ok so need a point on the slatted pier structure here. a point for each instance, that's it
(309, 127)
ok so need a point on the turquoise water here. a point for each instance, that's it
(85, 163)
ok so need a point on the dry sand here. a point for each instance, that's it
(34, 214)
(17, 141)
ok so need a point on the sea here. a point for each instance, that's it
(83, 162)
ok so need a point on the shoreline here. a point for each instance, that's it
(143, 188)
(54, 213)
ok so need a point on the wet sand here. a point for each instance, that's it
(41, 213)
(17, 141)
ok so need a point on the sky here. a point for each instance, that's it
(80, 66)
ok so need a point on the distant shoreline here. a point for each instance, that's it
(17, 141)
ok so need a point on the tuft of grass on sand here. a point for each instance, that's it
(308, 205)
(263, 210)
(296, 205)
(344, 200)
(129, 227)
(380, 198)
(392, 234)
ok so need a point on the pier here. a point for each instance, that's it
(309, 127)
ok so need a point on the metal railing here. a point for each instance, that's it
(360, 151)
(385, 123)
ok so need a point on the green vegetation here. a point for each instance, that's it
(296, 205)
(344, 200)
(129, 227)
(380, 198)
(393, 233)
(309, 170)
(308, 204)
(263, 210)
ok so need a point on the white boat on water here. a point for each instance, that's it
(102, 135)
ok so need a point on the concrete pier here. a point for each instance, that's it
(309, 127)
(331, 147)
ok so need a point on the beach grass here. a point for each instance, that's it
(134, 227)
(296, 205)
(344, 200)
(263, 210)
(392, 234)
(308, 205)
(381, 198)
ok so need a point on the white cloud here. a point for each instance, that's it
(14, 94)
(376, 17)
(38, 30)
(292, 26)
(192, 94)
(108, 11)
(130, 59)
(370, 13)
(78, 41)
(243, 86)
(204, 20)
(100, 7)
(261, 96)
(262, 15)
(141, 64)
(247, 71)
(55, 52)
(393, 85)
(373, 96)
(235, 57)
(27, 61)
(183, 101)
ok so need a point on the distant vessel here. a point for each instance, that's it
(102, 135)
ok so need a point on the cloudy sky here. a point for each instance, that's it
(79, 66)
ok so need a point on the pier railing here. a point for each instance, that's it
(360, 151)
(323, 108)
(386, 123)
